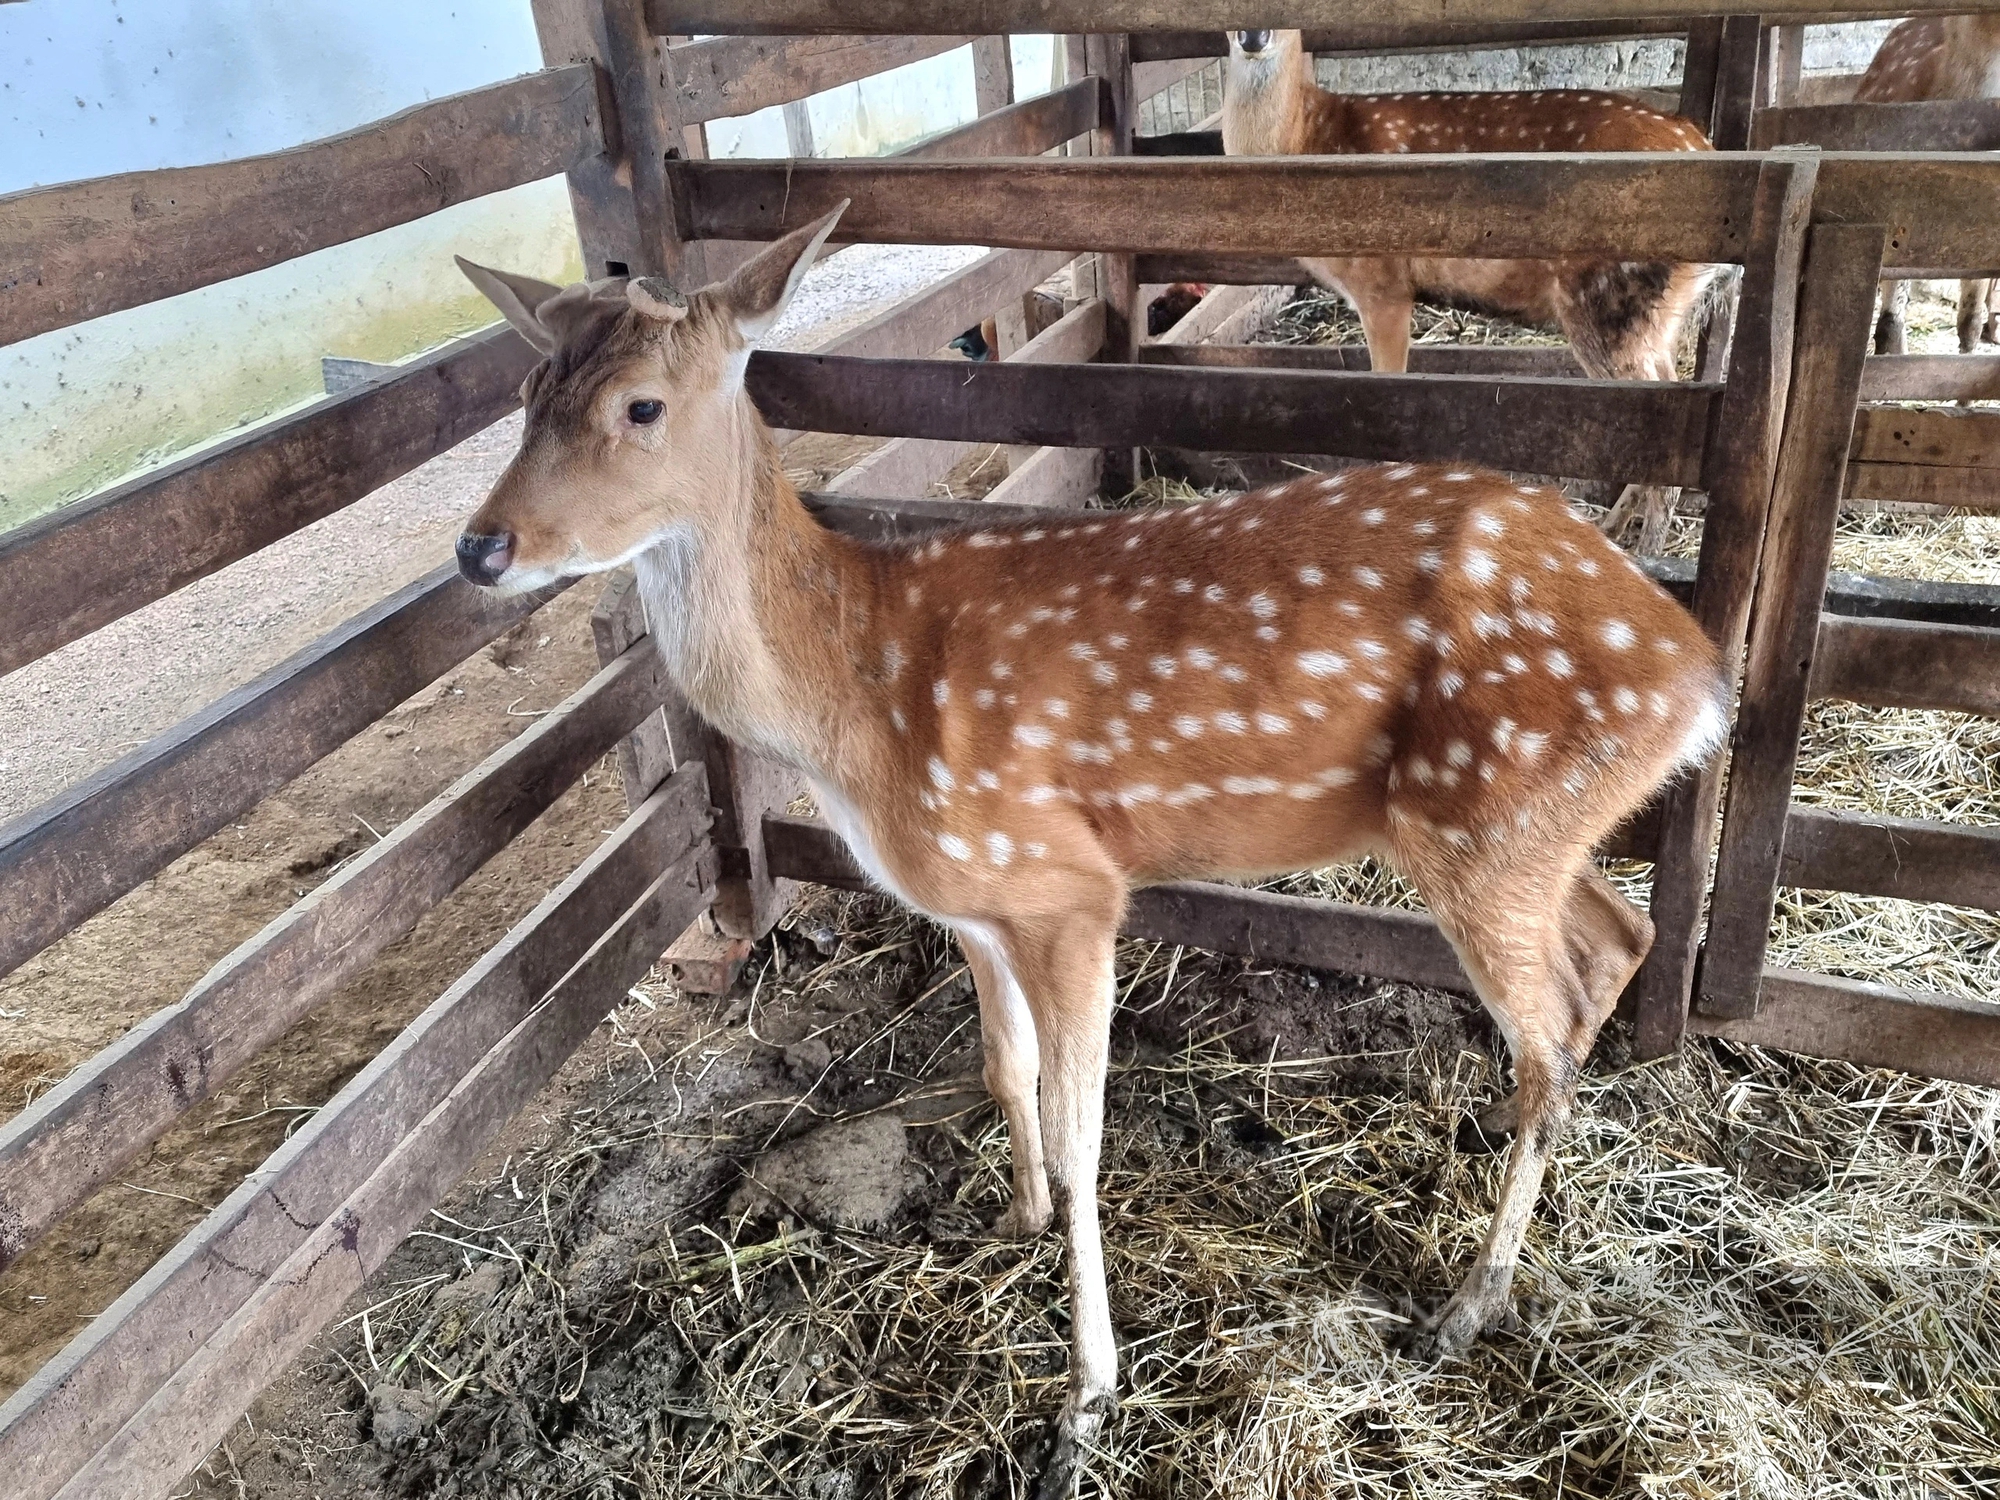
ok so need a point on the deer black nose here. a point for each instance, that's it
(482, 559)
(1253, 42)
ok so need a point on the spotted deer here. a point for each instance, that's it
(1014, 724)
(1623, 319)
(1936, 57)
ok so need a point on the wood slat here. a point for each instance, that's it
(1025, 129)
(1648, 433)
(1908, 664)
(1609, 17)
(1873, 597)
(80, 1133)
(1942, 209)
(1934, 125)
(1425, 359)
(1223, 270)
(932, 318)
(84, 249)
(1836, 303)
(1932, 455)
(1065, 478)
(1908, 858)
(1931, 377)
(1366, 39)
(721, 76)
(85, 847)
(273, 1326)
(79, 568)
(1677, 206)
(1937, 1035)
(75, 1402)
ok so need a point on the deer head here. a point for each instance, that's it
(636, 416)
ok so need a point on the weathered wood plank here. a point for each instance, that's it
(1942, 209)
(1908, 664)
(1937, 1035)
(85, 847)
(66, 574)
(106, 1111)
(1643, 432)
(1935, 125)
(50, 1427)
(1931, 377)
(1908, 858)
(1222, 270)
(721, 76)
(1923, 484)
(1836, 305)
(272, 1326)
(84, 249)
(1739, 477)
(1941, 436)
(1333, 17)
(1425, 359)
(1677, 206)
(1064, 478)
(1025, 129)
(1366, 39)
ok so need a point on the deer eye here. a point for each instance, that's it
(644, 413)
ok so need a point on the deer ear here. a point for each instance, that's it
(518, 298)
(757, 291)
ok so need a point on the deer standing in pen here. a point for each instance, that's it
(1936, 57)
(1623, 319)
(1011, 725)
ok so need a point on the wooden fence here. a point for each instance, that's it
(1773, 432)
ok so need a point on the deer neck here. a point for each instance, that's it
(1264, 107)
(1970, 68)
(748, 603)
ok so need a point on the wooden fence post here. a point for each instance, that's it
(1740, 461)
(1843, 264)
(1735, 84)
(1110, 57)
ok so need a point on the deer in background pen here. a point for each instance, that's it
(1012, 725)
(1623, 319)
(1936, 57)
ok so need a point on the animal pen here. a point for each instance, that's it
(1788, 415)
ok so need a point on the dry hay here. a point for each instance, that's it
(1751, 1274)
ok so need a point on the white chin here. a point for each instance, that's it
(527, 580)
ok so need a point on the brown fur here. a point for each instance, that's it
(1936, 57)
(1623, 319)
(1015, 724)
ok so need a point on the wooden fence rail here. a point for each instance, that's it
(84, 249)
(76, 569)
(86, 1393)
(80, 1133)
(84, 848)
(1645, 432)
(721, 76)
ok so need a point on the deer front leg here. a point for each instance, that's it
(1974, 314)
(1385, 323)
(1012, 1072)
(1064, 964)
(1892, 325)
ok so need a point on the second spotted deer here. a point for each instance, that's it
(1623, 318)
(1014, 724)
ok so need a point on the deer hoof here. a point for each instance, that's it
(1491, 1128)
(1084, 1418)
(1020, 1222)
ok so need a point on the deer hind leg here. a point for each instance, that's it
(1064, 964)
(1892, 323)
(1975, 314)
(1012, 1073)
(1548, 953)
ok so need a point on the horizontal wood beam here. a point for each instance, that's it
(1425, 359)
(1931, 377)
(300, 1293)
(1062, 478)
(91, 843)
(1934, 455)
(1925, 1032)
(1908, 858)
(105, 1112)
(1637, 431)
(1025, 129)
(1942, 209)
(1223, 270)
(1608, 17)
(1369, 40)
(76, 1401)
(1935, 125)
(84, 249)
(721, 76)
(1908, 664)
(74, 570)
(1676, 206)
